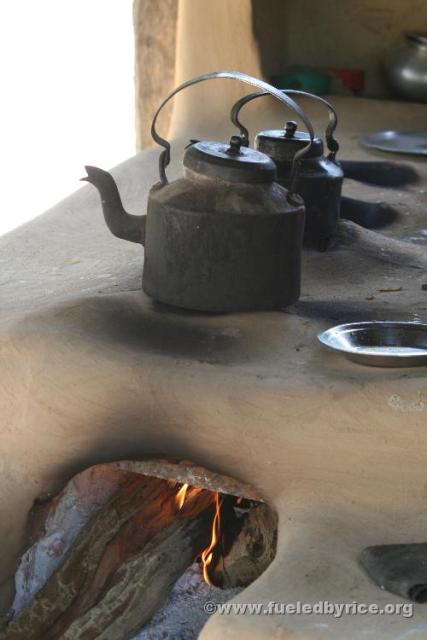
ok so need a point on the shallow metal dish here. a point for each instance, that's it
(413, 142)
(379, 344)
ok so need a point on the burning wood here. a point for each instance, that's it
(251, 552)
(142, 583)
(121, 566)
(207, 554)
(180, 496)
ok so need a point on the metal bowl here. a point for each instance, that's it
(379, 344)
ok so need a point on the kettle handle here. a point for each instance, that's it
(331, 142)
(243, 77)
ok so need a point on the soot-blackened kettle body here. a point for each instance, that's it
(223, 237)
(320, 177)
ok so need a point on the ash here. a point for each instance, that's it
(182, 616)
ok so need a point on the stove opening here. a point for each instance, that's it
(135, 549)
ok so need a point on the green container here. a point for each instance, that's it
(304, 78)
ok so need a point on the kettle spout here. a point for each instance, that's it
(121, 224)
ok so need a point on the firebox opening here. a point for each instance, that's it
(108, 552)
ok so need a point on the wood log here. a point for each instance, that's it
(252, 551)
(143, 582)
(81, 563)
(156, 514)
(158, 510)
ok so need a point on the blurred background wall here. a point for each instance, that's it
(354, 34)
(336, 33)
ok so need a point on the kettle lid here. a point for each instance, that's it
(232, 162)
(282, 144)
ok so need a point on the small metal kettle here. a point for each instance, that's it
(225, 236)
(319, 179)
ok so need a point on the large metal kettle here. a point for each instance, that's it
(319, 178)
(225, 236)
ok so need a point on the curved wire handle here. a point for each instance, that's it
(331, 142)
(243, 77)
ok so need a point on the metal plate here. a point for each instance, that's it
(413, 142)
(379, 344)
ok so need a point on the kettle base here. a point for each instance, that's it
(216, 307)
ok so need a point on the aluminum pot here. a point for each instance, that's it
(406, 69)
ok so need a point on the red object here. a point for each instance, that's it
(353, 79)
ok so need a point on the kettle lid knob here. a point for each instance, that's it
(235, 145)
(290, 128)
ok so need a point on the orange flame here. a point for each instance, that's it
(207, 553)
(180, 496)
